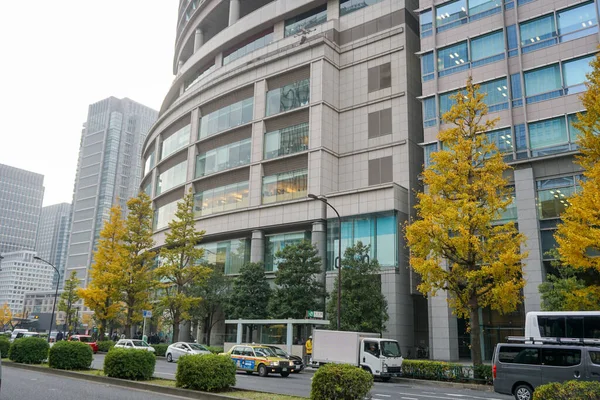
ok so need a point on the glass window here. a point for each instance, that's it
(516, 89)
(288, 97)
(538, 33)
(451, 14)
(497, 94)
(285, 186)
(487, 48)
(248, 46)
(275, 243)
(502, 138)
(553, 195)
(542, 80)
(549, 132)
(446, 102)
(574, 73)
(429, 150)
(198, 76)
(285, 141)
(483, 8)
(220, 199)
(222, 158)
(429, 112)
(148, 188)
(577, 22)
(511, 40)
(176, 141)
(306, 20)
(426, 23)
(163, 215)
(174, 176)
(427, 68)
(149, 163)
(228, 256)
(455, 57)
(594, 357)
(519, 355)
(348, 6)
(574, 133)
(591, 329)
(226, 118)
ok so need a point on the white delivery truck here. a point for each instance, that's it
(381, 357)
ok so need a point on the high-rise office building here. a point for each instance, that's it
(21, 274)
(530, 57)
(277, 99)
(21, 196)
(108, 171)
(53, 236)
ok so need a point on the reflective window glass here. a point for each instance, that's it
(542, 80)
(451, 14)
(224, 198)
(574, 71)
(427, 68)
(176, 141)
(163, 215)
(577, 22)
(538, 33)
(549, 132)
(226, 118)
(285, 186)
(490, 46)
(349, 6)
(174, 176)
(452, 56)
(429, 149)
(512, 41)
(429, 112)
(288, 97)
(426, 22)
(276, 243)
(306, 20)
(225, 157)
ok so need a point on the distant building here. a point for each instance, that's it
(21, 196)
(108, 170)
(53, 236)
(21, 274)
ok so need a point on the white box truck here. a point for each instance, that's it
(381, 357)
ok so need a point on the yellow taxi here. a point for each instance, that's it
(257, 358)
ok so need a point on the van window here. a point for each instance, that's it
(595, 357)
(592, 327)
(552, 326)
(519, 355)
(561, 357)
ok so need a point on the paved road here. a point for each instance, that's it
(299, 385)
(19, 384)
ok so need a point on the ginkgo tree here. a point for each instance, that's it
(5, 315)
(457, 243)
(578, 236)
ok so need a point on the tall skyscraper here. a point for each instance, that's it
(108, 170)
(531, 58)
(21, 196)
(53, 236)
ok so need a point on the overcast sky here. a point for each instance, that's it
(57, 57)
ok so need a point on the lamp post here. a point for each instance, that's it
(55, 294)
(339, 266)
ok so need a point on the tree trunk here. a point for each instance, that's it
(208, 328)
(176, 322)
(475, 336)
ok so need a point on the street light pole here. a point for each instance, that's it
(339, 266)
(55, 294)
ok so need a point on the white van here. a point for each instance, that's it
(15, 334)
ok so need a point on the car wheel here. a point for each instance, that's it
(262, 370)
(285, 374)
(169, 357)
(523, 392)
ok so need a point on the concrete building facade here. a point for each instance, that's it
(108, 172)
(21, 196)
(276, 99)
(530, 57)
(21, 274)
(53, 237)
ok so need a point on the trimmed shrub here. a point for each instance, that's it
(215, 349)
(437, 371)
(70, 355)
(30, 350)
(105, 345)
(160, 349)
(483, 374)
(136, 365)
(210, 372)
(571, 390)
(340, 382)
(4, 346)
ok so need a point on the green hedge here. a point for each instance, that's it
(444, 371)
(105, 345)
(70, 355)
(137, 365)
(340, 382)
(571, 390)
(210, 372)
(215, 349)
(31, 350)
(4, 346)
(160, 349)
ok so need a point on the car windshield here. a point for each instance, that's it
(264, 351)
(196, 346)
(85, 339)
(279, 352)
(139, 343)
(390, 349)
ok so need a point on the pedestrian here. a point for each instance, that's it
(309, 347)
(59, 336)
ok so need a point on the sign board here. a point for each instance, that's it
(314, 314)
(147, 313)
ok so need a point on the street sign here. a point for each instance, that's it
(147, 313)
(314, 314)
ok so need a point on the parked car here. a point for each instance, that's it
(296, 363)
(179, 349)
(15, 334)
(258, 358)
(85, 339)
(134, 344)
(518, 369)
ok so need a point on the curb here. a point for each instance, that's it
(452, 385)
(191, 394)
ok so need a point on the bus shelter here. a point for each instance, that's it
(289, 334)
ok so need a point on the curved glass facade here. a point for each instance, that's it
(227, 117)
(224, 198)
(288, 97)
(174, 176)
(290, 140)
(176, 141)
(225, 157)
(285, 186)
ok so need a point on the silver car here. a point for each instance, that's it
(134, 344)
(179, 349)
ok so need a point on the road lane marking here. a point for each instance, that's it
(382, 395)
(410, 398)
